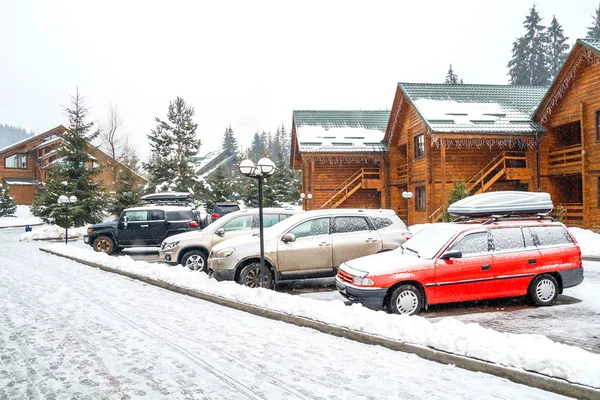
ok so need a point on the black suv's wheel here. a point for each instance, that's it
(543, 290)
(195, 260)
(250, 276)
(104, 244)
(405, 299)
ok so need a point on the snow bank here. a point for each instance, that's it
(589, 242)
(52, 232)
(529, 352)
(22, 217)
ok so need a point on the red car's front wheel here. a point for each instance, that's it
(405, 299)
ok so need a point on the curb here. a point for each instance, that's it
(532, 379)
(20, 226)
(590, 258)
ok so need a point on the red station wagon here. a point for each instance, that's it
(464, 261)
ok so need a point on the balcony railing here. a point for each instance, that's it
(573, 213)
(565, 160)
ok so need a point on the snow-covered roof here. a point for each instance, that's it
(476, 108)
(41, 135)
(20, 182)
(341, 131)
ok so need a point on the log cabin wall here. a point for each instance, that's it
(322, 179)
(570, 152)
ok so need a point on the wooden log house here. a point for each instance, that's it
(341, 155)
(437, 134)
(24, 165)
(570, 151)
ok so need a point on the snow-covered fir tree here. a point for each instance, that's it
(127, 191)
(172, 143)
(529, 63)
(558, 48)
(594, 30)
(451, 77)
(73, 174)
(8, 207)
(220, 188)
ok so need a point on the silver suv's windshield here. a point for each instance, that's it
(428, 241)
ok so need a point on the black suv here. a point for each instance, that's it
(141, 227)
(221, 209)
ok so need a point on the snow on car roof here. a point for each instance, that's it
(154, 207)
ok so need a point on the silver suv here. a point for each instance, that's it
(311, 244)
(191, 249)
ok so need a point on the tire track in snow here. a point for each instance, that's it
(224, 354)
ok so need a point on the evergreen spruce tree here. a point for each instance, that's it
(458, 192)
(173, 142)
(529, 63)
(594, 30)
(558, 48)
(8, 207)
(451, 77)
(219, 189)
(73, 175)
(127, 191)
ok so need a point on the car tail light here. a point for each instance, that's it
(194, 224)
(407, 235)
(215, 216)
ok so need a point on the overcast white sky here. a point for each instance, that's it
(248, 63)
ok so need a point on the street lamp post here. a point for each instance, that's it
(305, 198)
(263, 168)
(66, 201)
(407, 195)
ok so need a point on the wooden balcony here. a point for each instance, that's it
(565, 160)
(372, 179)
(399, 175)
(573, 213)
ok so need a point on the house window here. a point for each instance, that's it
(598, 190)
(419, 146)
(16, 161)
(597, 124)
(420, 203)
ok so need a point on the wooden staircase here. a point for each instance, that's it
(363, 178)
(511, 164)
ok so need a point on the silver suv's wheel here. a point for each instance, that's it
(250, 276)
(543, 290)
(195, 260)
(405, 299)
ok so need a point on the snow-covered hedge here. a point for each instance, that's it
(525, 351)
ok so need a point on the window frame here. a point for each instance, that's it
(16, 154)
(597, 124)
(333, 224)
(420, 197)
(419, 146)
(310, 220)
(598, 191)
(465, 235)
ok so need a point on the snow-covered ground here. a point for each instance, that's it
(22, 217)
(70, 331)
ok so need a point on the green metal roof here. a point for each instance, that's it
(344, 131)
(504, 109)
(592, 44)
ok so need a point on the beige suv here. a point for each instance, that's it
(311, 244)
(191, 249)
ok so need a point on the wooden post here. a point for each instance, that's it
(443, 162)
(386, 182)
(312, 181)
(583, 166)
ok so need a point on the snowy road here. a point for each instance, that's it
(69, 331)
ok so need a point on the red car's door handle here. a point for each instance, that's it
(486, 267)
(532, 261)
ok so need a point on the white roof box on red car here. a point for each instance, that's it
(502, 203)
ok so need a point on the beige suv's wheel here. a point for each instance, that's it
(250, 276)
(104, 244)
(195, 260)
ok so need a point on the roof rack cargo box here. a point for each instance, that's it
(167, 197)
(502, 203)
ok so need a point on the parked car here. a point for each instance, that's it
(192, 249)
(311, 244)
(140, 227)
(221, 209)
(181, 199)
(455, 262)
